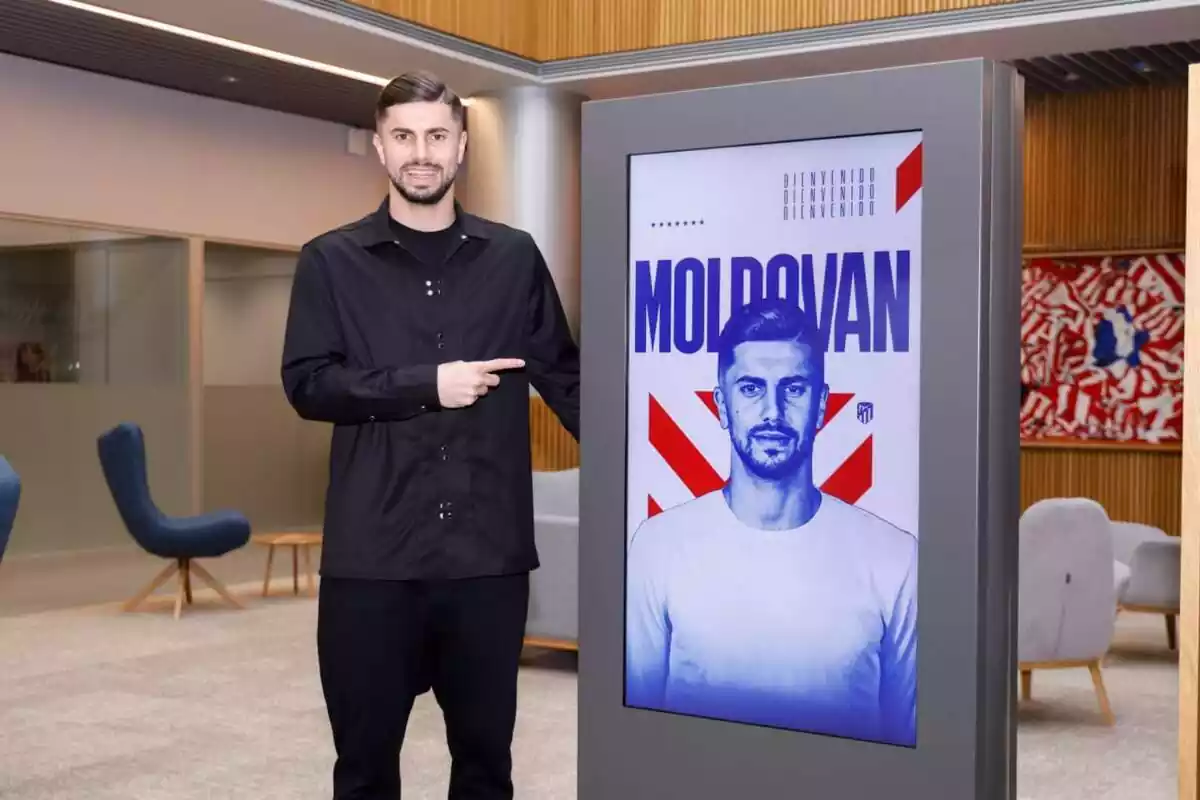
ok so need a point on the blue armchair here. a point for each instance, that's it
(180, 539)
(10, 497)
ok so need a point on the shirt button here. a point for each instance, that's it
(371, 418)
(429, 283)
(429, 292)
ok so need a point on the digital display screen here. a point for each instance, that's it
(773, 360)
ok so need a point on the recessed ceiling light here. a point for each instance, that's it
(229, 79)
(264, 52)
(1072, 76)
(1142, 66)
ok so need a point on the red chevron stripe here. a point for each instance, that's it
(909, 177)
(852, 479)
(849, 482)
(685, 459)
(837, 401)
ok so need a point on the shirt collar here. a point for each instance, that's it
(375, 228)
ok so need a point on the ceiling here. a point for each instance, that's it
(48, 32)
(1106, 69)
(1060, 45)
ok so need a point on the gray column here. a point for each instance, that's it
(522, 169)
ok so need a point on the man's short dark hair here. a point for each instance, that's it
(769, 320)
(418, 87)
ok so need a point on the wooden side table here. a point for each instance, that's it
(298, 542)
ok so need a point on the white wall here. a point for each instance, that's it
(279, 482)
(246, 298)
(92, 150)
(80, 147)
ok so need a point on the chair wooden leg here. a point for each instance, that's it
(159, 579)
(183, 590)
(1026, 684)
(1171, 632)
(267, 576)
(219, 587)
(308, 570)
(1101, 693)
(186, 574)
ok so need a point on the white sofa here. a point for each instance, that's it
(554, 587)
(1067, 597)
(1148, 571)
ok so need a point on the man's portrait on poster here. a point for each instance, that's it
(769, 601)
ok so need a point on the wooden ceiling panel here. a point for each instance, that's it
(503, 24)
(550, 30)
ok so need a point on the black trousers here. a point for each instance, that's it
(382, 643)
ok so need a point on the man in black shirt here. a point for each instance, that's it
(417, 332)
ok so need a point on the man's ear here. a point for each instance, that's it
(378, 140)
(821, 406)
(722, 412)
(462, 147)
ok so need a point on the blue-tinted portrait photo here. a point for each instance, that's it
(768, 601)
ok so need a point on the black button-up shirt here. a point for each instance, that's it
(417, 491)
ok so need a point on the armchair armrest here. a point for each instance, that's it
(1127, 536)
(1154, 576)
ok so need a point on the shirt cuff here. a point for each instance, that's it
(426, 394)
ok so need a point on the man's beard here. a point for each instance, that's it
(772, 466)
(429, 196)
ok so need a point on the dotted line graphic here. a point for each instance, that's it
(677, 223)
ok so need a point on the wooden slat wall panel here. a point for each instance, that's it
(552, 447)
(1138, 486)
(574, 28)
(504, 24)
(1106, 170)
(547, 30)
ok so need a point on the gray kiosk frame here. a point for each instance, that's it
(970, 114)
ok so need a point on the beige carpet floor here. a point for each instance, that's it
(226, 705)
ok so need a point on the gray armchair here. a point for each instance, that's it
(1148, 572)
(553, 619)
(1067, 592)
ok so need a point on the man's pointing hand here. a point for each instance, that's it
(461, 383)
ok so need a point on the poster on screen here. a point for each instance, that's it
(773, 358)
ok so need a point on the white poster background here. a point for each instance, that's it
(730, 202)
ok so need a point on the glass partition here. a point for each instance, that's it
(259, 457)
(93, 331)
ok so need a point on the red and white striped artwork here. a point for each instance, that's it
(1102, 348)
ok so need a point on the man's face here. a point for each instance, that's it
(421, 147)
(772, 402)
